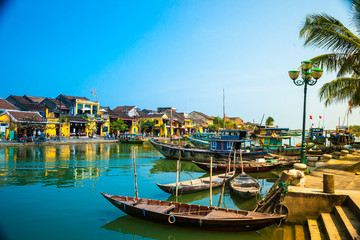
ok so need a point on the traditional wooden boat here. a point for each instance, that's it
(199, 142)
(197, 185)
(190, 215)
(342, 136)
(245, 186)
(248, 167)
(317, 136)
(131, 138)
(171, 151)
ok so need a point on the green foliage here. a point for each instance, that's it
(118, 126)
(269, 121)
(147, 126)
(219, 122)
(213, 127)
(328, 33)
(355, 129)
(63, 119)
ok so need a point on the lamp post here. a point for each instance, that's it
(308, 77)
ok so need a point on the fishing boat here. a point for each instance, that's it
(248, 167)
(220, 148)
(316, 135)
(342, 136)
(197, 185)
(131, 138)
(245, 186)
(199, 142)
(191, 215)
(273, 139)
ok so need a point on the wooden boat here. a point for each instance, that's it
(342, 136)
(197, 185)
(190, 215)
(131, 138)
(245, 186)
(248, 167)
(171, 151)
(199, 142)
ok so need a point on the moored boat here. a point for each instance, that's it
(172, 151)
(248, 167)
(199, 143)
(191, 215)
(197, 185)
(342, 136)
(245, 186)
(131, 138)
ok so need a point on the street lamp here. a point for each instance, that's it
(308, 77)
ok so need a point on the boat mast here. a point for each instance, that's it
(178, 174)
(210, 181)
(134, 162)
(224, 107)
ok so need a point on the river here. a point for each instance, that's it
(53, 192)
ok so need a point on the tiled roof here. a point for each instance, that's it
(77, 119)
(155, 115)
(123, 109)
(35, 99)
(58, 103)
(22, 116)
(74, 98)
(19, 98)
(204, 115)
(33, 107)
(200, 122)
(5, 105)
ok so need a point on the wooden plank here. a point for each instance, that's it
(314, 229)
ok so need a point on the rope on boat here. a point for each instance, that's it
(273, 201)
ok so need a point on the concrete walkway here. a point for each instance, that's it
(343, 180)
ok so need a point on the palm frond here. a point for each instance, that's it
(355, 7)
(324, 31)
(341, 90)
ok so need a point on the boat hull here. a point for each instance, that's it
(131, 141)
(196, 218)
(171, 151)
(196, 185)
(249, 168)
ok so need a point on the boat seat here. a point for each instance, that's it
(215, 214)
(156, 208)
(214, 181)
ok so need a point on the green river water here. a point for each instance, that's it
(53, 192)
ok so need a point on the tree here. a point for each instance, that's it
(213, 128)
(118, 126)
(326, 32)
(269, 121)
(147, 125)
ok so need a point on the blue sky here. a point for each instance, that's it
(168, 53)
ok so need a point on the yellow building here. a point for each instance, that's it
(161, 122)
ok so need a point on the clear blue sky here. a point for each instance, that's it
(167, 53)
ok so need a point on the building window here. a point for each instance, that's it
(79, 108)
(95, 109)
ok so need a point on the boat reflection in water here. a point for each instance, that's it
(134, 227)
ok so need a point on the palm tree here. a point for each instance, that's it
(326, 32)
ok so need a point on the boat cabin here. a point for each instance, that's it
(274, 138)
(205, 136)
(130, 136)
(229, 140)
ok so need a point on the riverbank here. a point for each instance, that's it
(333, 214)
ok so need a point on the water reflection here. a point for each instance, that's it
(166, 165)
(137, 228)
(65, 165)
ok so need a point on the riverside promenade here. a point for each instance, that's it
(328, 215)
